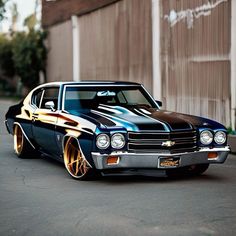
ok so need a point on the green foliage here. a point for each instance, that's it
(24, 55)
(231, 131)
(2, 8)
(29, 55)
(6, 57)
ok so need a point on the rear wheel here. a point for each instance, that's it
(22, 147)
(75, 162)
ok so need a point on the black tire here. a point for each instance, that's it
(188, 171)
(22, 147)
(197, 169)
(75, 162)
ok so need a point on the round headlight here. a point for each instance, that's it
(118, 141)
(103, 141)
(206, 137)
(220, 137)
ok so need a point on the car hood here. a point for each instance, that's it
(142, 118)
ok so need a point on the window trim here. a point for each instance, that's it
(147, 94)
(42, 95)
(41, 99)
(32, 102)
(50, 87)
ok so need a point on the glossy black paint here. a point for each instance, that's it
(47, 129)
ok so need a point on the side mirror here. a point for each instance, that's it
(159, 103)
(50, 105)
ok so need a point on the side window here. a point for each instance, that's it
(50, 94)
(36, 98)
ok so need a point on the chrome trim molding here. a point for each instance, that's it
(154, 141)
(41, 99)
(151, 160)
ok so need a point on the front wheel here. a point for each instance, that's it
(193, 170)
(75, 162)
(197, 169)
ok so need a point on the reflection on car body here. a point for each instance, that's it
(113, 128)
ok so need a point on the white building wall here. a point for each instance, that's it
(76, 48)
(233, 63)
(156, 54)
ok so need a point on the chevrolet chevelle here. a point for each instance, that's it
(113, 128)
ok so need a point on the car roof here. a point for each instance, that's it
(89, 83)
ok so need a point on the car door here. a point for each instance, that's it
(44, 121)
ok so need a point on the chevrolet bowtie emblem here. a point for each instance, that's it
(168, 143)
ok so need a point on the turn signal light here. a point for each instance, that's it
(212, 155)
(113, 160)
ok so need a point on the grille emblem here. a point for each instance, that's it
(168, 143)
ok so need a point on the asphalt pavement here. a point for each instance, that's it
(39, 198)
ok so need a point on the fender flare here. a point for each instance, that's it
(26, 137)
(65, 139)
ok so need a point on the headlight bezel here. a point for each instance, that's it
(122, 137)
(215, 137)
(108, 141)
(211, 135)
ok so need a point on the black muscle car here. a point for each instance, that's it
(113, 128)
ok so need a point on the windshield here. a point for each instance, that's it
(83, 98)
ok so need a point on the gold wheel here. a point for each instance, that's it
(18, 140)
(75, 162)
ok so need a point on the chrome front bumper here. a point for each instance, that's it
(152, 160)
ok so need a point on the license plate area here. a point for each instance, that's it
(168, 162)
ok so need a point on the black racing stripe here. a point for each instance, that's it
(101, 119)
(172, 119)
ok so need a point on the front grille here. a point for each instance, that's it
(155, 142)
